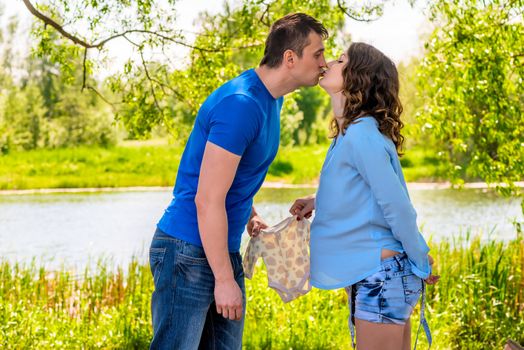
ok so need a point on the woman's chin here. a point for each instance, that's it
(322, 85)
(329, 90)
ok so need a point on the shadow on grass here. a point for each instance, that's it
(280, 167)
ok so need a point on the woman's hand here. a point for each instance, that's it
(303, 207)
(432, 279)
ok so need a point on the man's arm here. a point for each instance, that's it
(217, 172)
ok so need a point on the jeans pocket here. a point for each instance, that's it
(195, 274)
(412, 288)
(156, 262)
(191, 260)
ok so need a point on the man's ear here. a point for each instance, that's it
(289, 58)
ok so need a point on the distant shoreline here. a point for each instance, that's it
(269, 184)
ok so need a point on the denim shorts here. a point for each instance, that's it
(389, 295)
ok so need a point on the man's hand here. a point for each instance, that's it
(255, 224)
(303, 207)
(228, 299)
(432, 279)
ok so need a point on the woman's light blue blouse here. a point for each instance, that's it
(362, 206)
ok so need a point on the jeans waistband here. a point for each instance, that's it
(161, 235)
(397, 262)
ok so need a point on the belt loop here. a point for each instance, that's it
(398, 259)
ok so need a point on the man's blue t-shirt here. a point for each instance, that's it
(241, 117)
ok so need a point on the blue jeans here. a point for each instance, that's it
(182, 306)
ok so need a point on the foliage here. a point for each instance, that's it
(153, 91)
(471, 79)
(477, 304)
(40, 108)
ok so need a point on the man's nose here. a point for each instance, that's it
(323, 62)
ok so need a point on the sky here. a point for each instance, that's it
(397, 33)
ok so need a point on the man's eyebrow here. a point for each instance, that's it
(320, 50)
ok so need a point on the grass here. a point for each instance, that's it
(420, 164)
(297, 165)
(478, 304)
(138, 164)
(120, 166)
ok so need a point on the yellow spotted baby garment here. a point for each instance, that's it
(284, 248)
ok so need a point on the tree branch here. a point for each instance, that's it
(162, 36)
(84, 70)
(352, 15)
(264, 18)
(151, 86)
(111, 104)
(55, 25)
(151, 79)
(85, 44)
(89, 87)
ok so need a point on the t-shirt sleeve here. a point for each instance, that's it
(234, 123)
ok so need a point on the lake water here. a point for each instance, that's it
(75, 230)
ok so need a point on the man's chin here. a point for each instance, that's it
(313, 82)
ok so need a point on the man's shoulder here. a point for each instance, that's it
(242, 83)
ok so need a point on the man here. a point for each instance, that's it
(199, 297)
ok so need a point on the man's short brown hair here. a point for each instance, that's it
(290, 33)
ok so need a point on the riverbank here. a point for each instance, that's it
(144, 165)
(267, 184)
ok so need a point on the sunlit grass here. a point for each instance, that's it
(477, 304)
(150, 164)
(120, 166)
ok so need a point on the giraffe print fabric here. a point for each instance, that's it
(284, 248)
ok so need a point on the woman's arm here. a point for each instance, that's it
(368, 154)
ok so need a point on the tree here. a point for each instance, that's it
(39, 107)
(151, 92)
(471, 79)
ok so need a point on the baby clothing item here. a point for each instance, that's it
(285, 251)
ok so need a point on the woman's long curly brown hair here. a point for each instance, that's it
(371, 87)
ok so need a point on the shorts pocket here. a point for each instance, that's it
(412, 289)
(369, 289)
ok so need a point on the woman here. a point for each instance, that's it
(364, 236)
